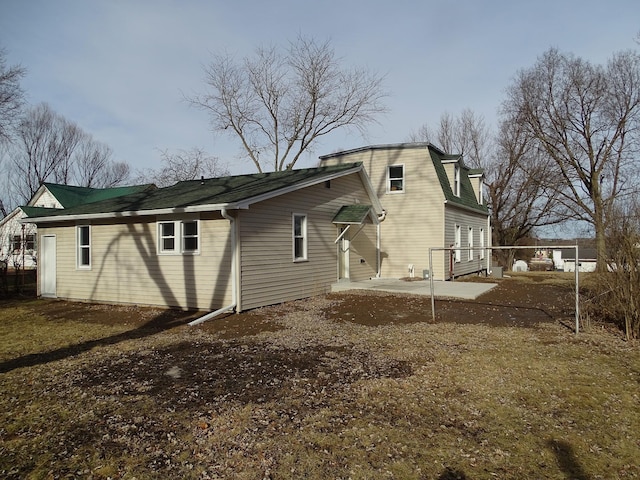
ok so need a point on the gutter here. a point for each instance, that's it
(465, 207)
(378, 243)
(234, 270)
(130, 213)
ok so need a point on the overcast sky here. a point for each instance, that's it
(120, 69)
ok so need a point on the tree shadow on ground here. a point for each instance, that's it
(451, 474)
(165, 321)
(567, 460)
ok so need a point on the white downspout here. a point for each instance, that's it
(378, 259)
(490, 243)
(234, 269)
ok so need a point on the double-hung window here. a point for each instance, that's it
(83, 246)
(299, 237)
(470, 242)
(482, 244)
(395, 179)
(456, 180)
(190, 237)
(16, 243)
(176, 236)
(457, 244)
(167, 235)
(30, 241)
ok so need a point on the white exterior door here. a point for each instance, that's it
(47, 268)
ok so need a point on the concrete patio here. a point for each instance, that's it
(456, 289)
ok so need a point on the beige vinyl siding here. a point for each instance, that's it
(268, 273)
(458, 216)
(415, 218)
(362, 252)
(125, 266)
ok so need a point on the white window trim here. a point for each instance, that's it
(79, 247)
(456, 244)
(178, 235)
(470, 242)
(482, 244)
(305, 253)
(176, 239)
(183, 236)
(456, 180)
(403, 178)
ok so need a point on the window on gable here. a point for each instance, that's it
(470, 242)
(395, 175)
(176, 236)
(299, 237)
(456, 180)
(83, 243)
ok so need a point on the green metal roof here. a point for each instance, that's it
(352, 214)
(212, 191)
(38, 211)
(467, 196)
(71, 195)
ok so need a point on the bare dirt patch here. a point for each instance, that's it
(356, 385)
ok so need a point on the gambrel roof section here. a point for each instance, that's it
(467, 198)
(232, 192)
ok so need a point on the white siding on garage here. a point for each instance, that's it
(125, 266)
(268, 273)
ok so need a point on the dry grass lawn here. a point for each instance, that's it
(299, 392)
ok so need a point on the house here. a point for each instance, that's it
(18, 238)
(433, 200)
(587, 259)
(218, 244)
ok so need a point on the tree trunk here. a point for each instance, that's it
(599, 227)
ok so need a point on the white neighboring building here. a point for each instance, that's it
(17, 241)
(564, 260)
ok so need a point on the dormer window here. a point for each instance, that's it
(395, 179)
(456, 180)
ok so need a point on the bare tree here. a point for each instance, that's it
(516, 174)
(93, 166)
(277, 104)
(11, 101)
(518, 179)
(43, 151)
(614, 296)
(11, 96)
(183, 165)
(586, 119)
(467, 134)
(50, 148)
